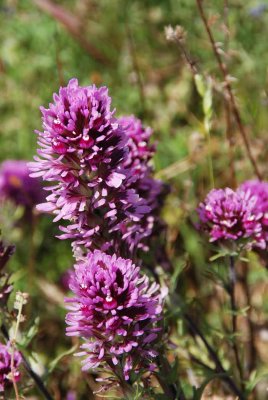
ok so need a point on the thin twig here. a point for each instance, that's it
(225, 74)
(189, 61)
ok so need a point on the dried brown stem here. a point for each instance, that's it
(191, 63)
(225, 74)
(13, 374)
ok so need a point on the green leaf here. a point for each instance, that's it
(54, 363)
(217, 256)
(179, 267)
(255, 377)
(30, 334)
(17, 276)
(207, 103)
(200, 84)
(173, 374)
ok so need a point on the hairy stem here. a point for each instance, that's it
(232, 277)
(127, 389)
(251, 364)
(172, 391)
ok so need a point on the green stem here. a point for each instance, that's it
(232, 277)
(172, 391)
(213, 355)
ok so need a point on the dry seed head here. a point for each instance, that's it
(20, 300)
(175, 34)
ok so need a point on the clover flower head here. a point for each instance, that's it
(139, 235)
(116, 311)
(229, 215)
(259, 189)
(140, 150)
(5, 366)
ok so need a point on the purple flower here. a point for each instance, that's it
(229, 215)
(65, 279)
(5, 366)
(83, 152)
(260, 191)
(140, 151)
(139, 235)
(116, 311)
(16, 184)
(71, 395)
(152, 191)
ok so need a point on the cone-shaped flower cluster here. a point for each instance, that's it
(152, 191)
(17, 186)
(259, 190)
(140, 150)
(99, 166)
(5, 366)
(229, 215)
(83, 150)
(116, 311)
(139, 235)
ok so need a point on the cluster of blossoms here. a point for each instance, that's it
(5, 366)
(102, 183)
(93, 161)
(259, 189)
(151, 190)
(239, 216)
(116, 311)
(17, 186)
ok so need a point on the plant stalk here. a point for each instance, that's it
(215, 358)
(224, 72)
(232, 277)
(172, 391)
